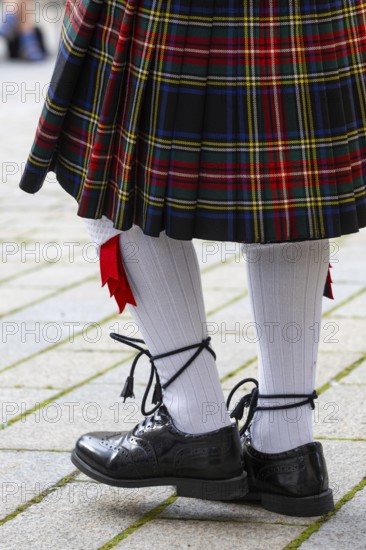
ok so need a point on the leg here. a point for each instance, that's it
(286, 286)
(166, 283)
(178, 444)
(286, 469)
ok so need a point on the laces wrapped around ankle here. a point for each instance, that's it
(157, 398)
(250, 401)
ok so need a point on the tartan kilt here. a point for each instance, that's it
(230, 120)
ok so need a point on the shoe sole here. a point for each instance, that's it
(204, 489)
(314, 505)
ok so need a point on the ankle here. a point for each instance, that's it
(193, 412)
(190, 389)
(277, 431)
(278, 422)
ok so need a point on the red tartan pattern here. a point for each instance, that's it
(230, 120)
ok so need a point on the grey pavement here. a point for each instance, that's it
(61, 375)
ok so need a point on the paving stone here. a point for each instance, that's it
(355, 307)
(14, 298)
(341, 291)
(340, 413)
(346, 530)
(351, 264)
(59, 423)
(59, 370)
(211, 254)
(329, 364)
(345, 463)
(343, 334)
(23, 339)
(44, 324)
(52, 276)
(16, 401)
(217, 299)
(235, 316)
(358, 376)
(25, 474)
(96, 338)
(226, 275)
(195, 534)
(80, 515)
(12, 269)
(87, 301)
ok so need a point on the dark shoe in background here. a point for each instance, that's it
(28, 47)
(9, 27)
(294, 483)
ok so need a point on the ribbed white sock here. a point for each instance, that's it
(286, 283)
(165, 280)
(166, 284)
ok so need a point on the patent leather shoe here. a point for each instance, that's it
(155, 452)
(293, 482)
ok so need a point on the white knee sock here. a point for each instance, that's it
(165, 280)
(166, 283)
(286, 283)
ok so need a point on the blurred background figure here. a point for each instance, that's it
(18, 27)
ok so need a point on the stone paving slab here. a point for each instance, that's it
(343, 334)
(80, 515)
(51, 276)
(341, 413)
(348, 254)
(25, 339)
(85, 409)
(13, 298)
(347, 530)
(16, 401)
(10, 269)
(53, 320)
(25, 474)
(329, 365)
(76, 304)
(96, 338)
(60, 370)
(358, 376)
(345, 463)
(163, 534)
(341, 291)
(355, 308)
(227, 275)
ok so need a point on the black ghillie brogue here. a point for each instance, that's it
(154, 453)
(294, 482)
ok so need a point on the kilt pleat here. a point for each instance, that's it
(231, 120)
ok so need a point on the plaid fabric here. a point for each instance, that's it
(231, 120)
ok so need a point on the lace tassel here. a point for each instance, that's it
(113, 274)
(157, 395)
(128, 388)
(238, 410)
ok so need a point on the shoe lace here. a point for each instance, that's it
(157, 397)
(250, 401)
